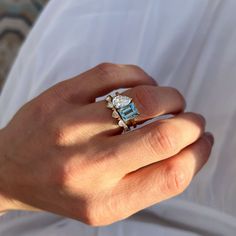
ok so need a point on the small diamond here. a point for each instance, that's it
(122, 124)
(109, 105)
(108, 98)
(115, 114)
(121, 101)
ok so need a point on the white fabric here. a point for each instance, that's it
(186, 44)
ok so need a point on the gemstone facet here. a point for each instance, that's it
(121, 101)
(128, 112)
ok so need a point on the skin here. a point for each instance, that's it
(62, 152)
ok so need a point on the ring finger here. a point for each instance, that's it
(151, 101)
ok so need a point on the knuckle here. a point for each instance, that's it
(42, 109)
(92, 220)
(62, 91)
(39, 108)
(146, 99)
(137, 69)
(116, 72)
(161, 140)
(42, 105)
(95, 214)
(176, 178)
(179, 96)
(60, 136)
(140, 75)
(108, 70)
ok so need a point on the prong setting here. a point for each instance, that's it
(123, 109)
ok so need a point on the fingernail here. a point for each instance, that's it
(154, 81)
(202, 118)
(209, 136)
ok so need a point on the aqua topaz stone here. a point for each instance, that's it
(128, 112)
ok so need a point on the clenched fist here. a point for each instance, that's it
(63, 152)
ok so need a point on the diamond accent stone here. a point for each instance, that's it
(115, 114)
(122, 124)
(121, 101)
(108, 98)
(110, 105)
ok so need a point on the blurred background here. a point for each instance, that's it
(16, 20)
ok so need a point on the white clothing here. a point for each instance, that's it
(187, 44)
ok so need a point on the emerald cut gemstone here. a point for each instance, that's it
(128, 112)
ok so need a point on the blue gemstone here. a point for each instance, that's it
(128, 112)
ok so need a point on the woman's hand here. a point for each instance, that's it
(63, 152)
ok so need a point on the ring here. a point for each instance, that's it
(123, 109)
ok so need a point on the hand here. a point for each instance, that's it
(63, 152)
